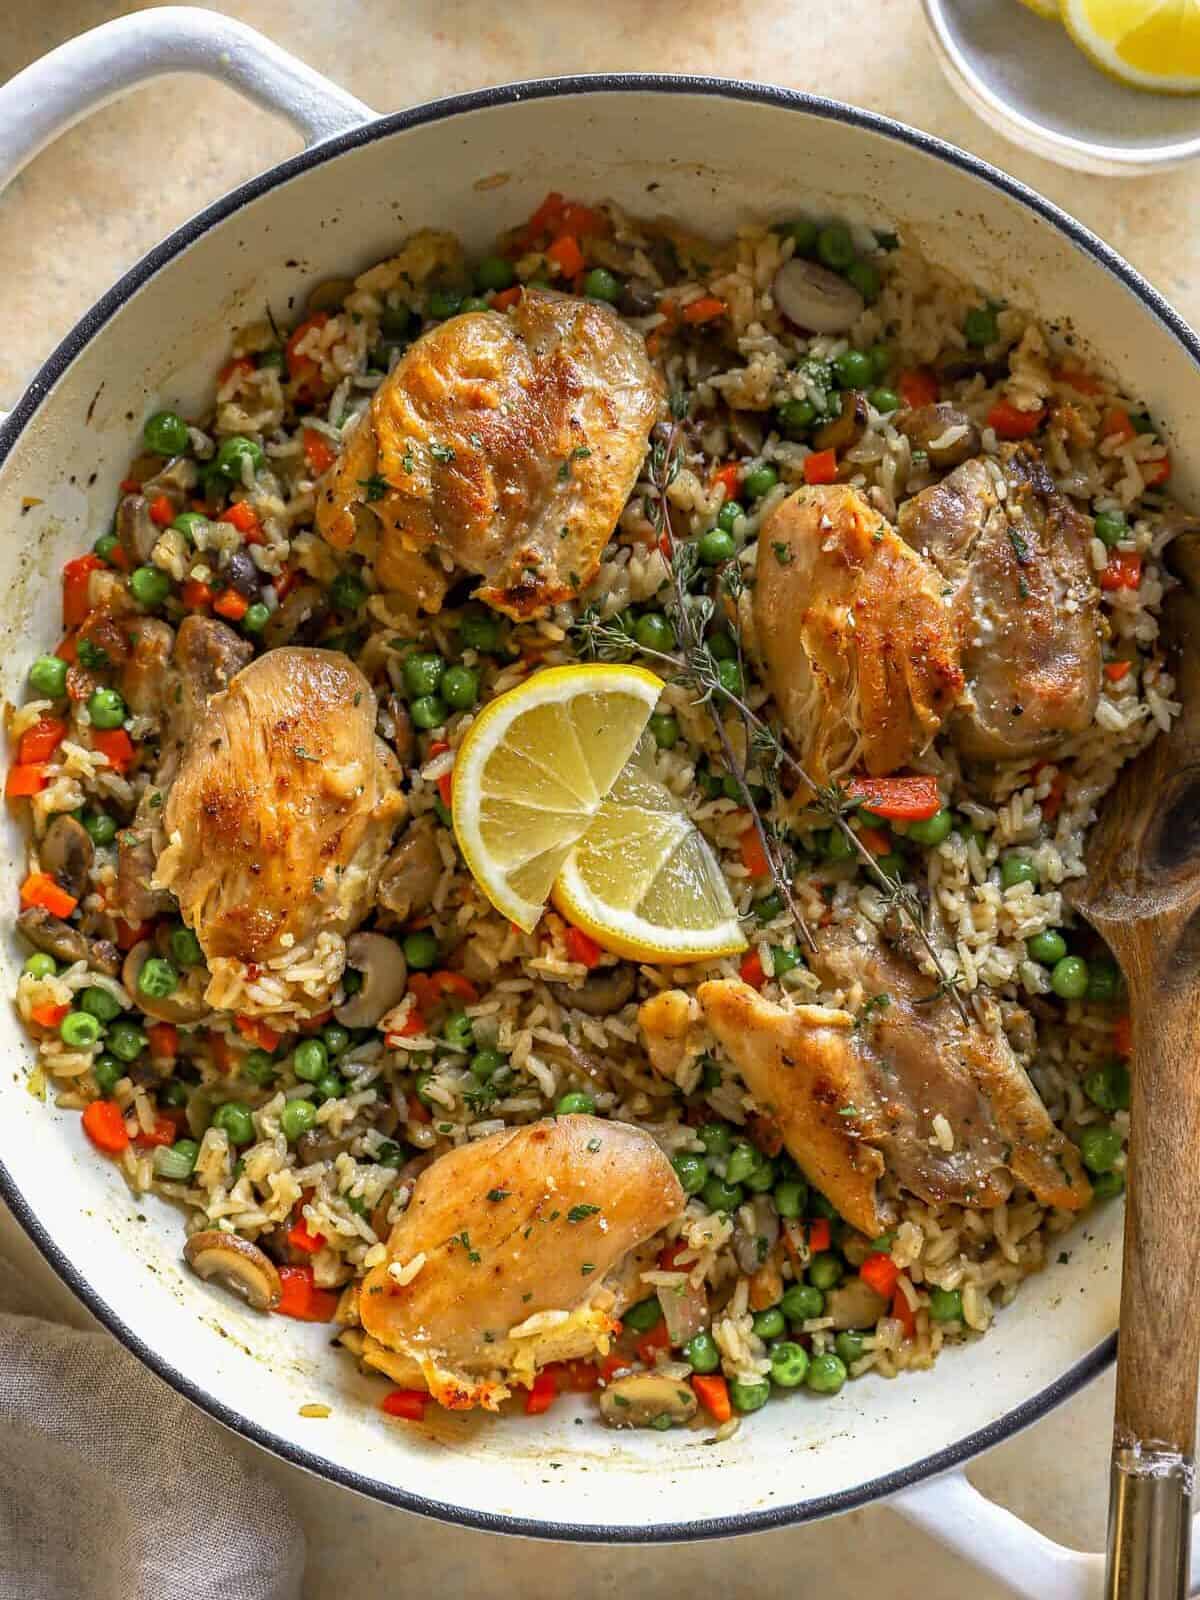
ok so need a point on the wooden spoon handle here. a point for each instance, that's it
(1159, 1344)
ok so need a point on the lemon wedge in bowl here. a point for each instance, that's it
(1148, 44)
(1044, 8)
(643, 882)
(533, 771)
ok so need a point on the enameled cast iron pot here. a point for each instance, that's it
(716, 153)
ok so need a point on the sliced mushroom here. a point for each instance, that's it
(752, 1245)
(816, 299)
(177, 479)
(184, 1005)
(136, 901)
(927, 426)
(300, 607)
(137, 533)
(384, 979)
(238, 1264)
(848, 427)
(404, 739)
(854, 1304)
(647, 1400)
(65, 943)
(242, 576)
(638, 298)
(144, 676)
(601, 993)
(66, 853)
(413, 871)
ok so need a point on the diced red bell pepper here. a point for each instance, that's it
(821, 466)
(302, 368)
(713, 1394)
(729, 477)
(504, 298)
(1116, 424)
(164, 1041)
(581, 947)
(407, 1403)
(164, 1132)
(196, 595)
(243, 517)
(257, 1032)
(1123, 570)
(76, 576)
(566, 255)
(752, 971)
(917, 387)
(48, 1016)
(23, 781)
(1010, 422)
(1123, 1036)
(706, 309)
(318, 451)
(300, 1297)
(1116, 671)
(650, 1343)
(301, 1239)
(753, 856)
(880, 1272)
(231, 605)
(904, 1313)
(820, 1235)
(41, 741)
(40, 889)
(542, 1395)
(906, 799)
(116, 744)
(162, 512)
(1155, 472)
(105, 1126)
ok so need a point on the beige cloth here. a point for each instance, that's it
(113, 1487)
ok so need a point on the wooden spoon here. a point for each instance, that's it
(1142, 893)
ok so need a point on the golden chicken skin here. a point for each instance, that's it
(503, 445)
(277, 825)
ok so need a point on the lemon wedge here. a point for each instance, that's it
(1149, 44)
(1044, 8)
(643, 882)
(533, 771)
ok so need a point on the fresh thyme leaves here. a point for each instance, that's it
(301, 754)
(375, 486)
(1020, 546)
(473, 1256)
(498, 1194)
(408, 462)
(580, 453)
(871, 1010)
(784, 553)
(441, 452)
(579, 1212)
(564, 471)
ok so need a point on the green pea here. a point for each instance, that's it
(189, 524)
(762, 1178)
(716, 546)
(945, 1305)
(423, 672)
(457, 1031)
(105, 545)
(702, 1353)
(347, 591)
(837, 846)
(233, 453)
(749, 1396)
(804, 232)
(330, 1086)
(1099, 1144)
(654, 632)
(158, 978)
(1111, 527)
(256, 618)
(849, 1346)
(789, 1364)
(864, 275)
(102, 829)
(421, 1087)
(235, 1121)
(884, 400)
(1108, 1086)
(106, 708)
(931, 830)
(428, 711)
(722, 647)
(297, 1117)
(390, 1154)
(1049, 947)
(825, 1271)
(854, 369)
(494, 274)
(1104, 981)
(760, 480)
(802, 1302)
(835, 247)
(819, 1206)
(48, 677)
(729, 675)
(475, 302)
(80, 1030)
(478, 631)
(741, 1163)
(258, 1067)
(421, 950)
(643, 1316)
(769, 907)
(711, 784)
(485, 1064)
(394, 321)
(730, 514)
(881, 361)
(664, 730)
(576, 1104)
(101, 1005)
(769, 1324)
(979, 326)
(443, 303)
(691, 1170)
(39, 965)
(1069, 979)
(176, 1162)
(716, 1138)
(790, 1197)
(126, 1040)
(166, 433)
(335, 1038)
(600, 284)
(797, 416)
(108, 1072)
(892, 863)
(460, 688)
(185, 947)
(826, 1373)
(721, 1196)
(1106, 1185)
(92, 655)
(311, 1060)
(1014, 870)
(783, 961)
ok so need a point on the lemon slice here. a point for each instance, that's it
(1149, 44)
(643, 882)
(532, 773)
(1044, 8)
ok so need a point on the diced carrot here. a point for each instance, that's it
(1123, 570)
(407, 1403)
(418, 1111)
(917, 387)
(445, 788)
(22, 781)
(1116, 424)
(414, 1024)
(669, 1254)
(751, 970)
(238, 364)
(821, 466)
(907, 799)
(819, 1235)
(105, 1126)
(162, 512)
(713, 1394)
(229, 603)
(880, 1272)
(164, 1040)
(1012, 423)
(300, 1297)
(48, 1016)
(1052, 803)
(76, 575)
(129, 933)
(904, 1313)
(1081, 382)
(504, 298)
(40, 889)
(257, 1033)
(582, 948)
(543, 1394)
(41, 741)
(68, 649)
(650, 1343)
(116, 744)
(1123, 1036)
(876, 840)
(300, 1238)
(706, 309)
(548, 216)
(1155, 472)
(286, 582)
(164, 1132)
(130, 485)
(754, 857)
(729, 477)
(1116, 671)
(581, 220)
(613, 1362)
(566, 255)
(242, 516)
(117, 557)
(318, 451)
(445, 982)
(303, 369)
(196, 595)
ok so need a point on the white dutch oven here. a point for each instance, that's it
(718, 154)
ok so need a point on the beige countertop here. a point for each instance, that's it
(88, 207)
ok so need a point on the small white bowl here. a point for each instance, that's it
(1025, 78)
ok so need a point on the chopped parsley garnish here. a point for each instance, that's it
(499, 1194)
(784, 553)
(1020, 549)
(593, 1145)
(464, 1239)
(580, 453)
(301, 754)
(587, 1267)
(877, 1003)
(441, 452)
(375, 486)
(578, 1213)
(407, 463)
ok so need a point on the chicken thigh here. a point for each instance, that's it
(501, 444)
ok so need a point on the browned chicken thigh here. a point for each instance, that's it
(501, 444)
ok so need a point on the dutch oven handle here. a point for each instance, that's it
(98, 67)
